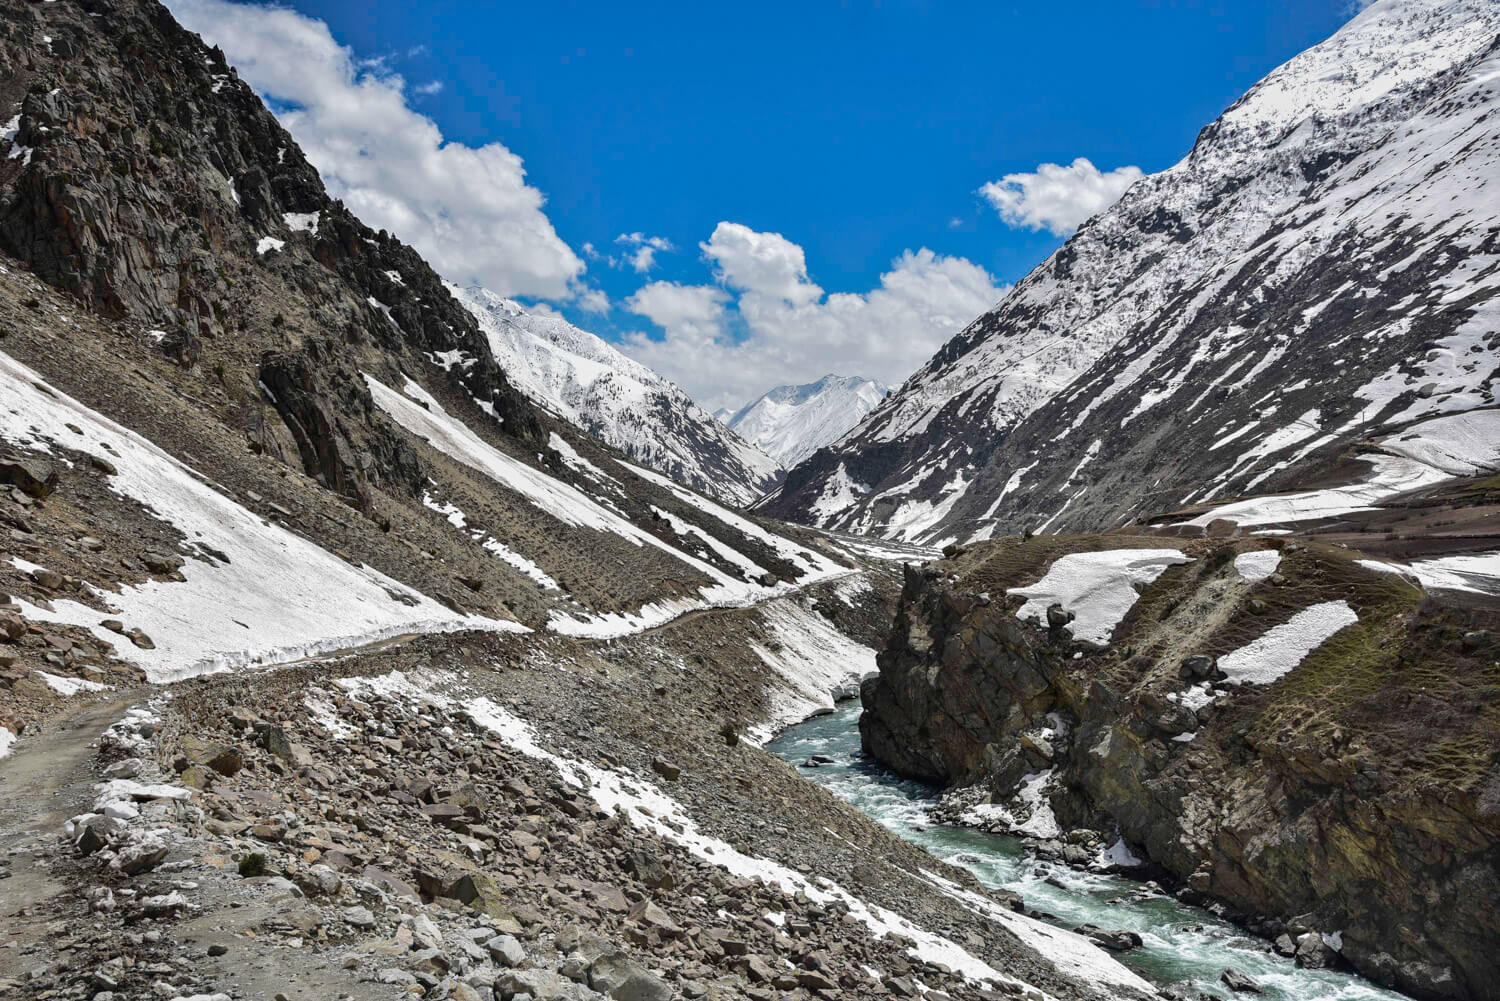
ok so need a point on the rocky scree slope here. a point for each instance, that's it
(184, 290)
(792, 422)
(1319, 269)
(480, 816)
(624, 404)
(1280, 726)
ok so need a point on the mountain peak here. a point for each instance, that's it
(588, 383)
(792, 422)
(1283, 292)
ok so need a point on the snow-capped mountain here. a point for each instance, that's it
(1320, 269)
(789, 423)
(623, 403)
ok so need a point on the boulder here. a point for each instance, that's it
(616, 975)
(1239, 982)
(32, 477)
(665, 769)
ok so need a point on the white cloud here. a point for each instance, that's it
(763, 263)
(591, 300)
(692, 315)
(788, 331)
(429, 88)
(468, 210)
(1056, 198)
(643, 257)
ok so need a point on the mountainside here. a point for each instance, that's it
(1319, 270)
(330, 664)
(621, 402)
(792, 422)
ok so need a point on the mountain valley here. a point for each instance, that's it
(368, 635)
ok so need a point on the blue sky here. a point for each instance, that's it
(860, 132)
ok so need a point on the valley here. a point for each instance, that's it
(368, 633)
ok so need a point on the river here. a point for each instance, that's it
(1183, 946)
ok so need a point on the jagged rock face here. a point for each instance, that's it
(145, 178)
(618, 400)
(990, 680)
(1358, 792)
(793, 422)
(1321, 267)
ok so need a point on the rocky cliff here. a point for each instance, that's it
(1279, 725)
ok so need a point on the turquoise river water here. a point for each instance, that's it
(1183, 946)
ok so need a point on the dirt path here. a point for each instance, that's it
(47, 778)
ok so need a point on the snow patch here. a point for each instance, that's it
(1257, 565)
(1281, 648)
(1098, 588)
(276, 596)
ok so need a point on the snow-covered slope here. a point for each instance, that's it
(619, 401)
(789, 423)
(254, 593)
(1321, 268)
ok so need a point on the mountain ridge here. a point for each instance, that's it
(1299, 258)
(581, 378)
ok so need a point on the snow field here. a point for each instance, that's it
(277, 597)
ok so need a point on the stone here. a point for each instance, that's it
(33, 477)
(225, 759)
(359, 917)
(1239, 982)
(541, 985)
(620, 978)
(1197, 666)
(140, 855)
(506, 950)
(1313, 953)
(94, 834)
(759, 970)
(1114, 941)
(647, 913)
(425, 933)
(665, 769)
(1058, 616)
(650, 871)
(49, 579)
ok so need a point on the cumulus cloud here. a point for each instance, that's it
(760, 263)
(468, 210)
(783, 329)
(1056, 198)
(693, 315)
(642, 250)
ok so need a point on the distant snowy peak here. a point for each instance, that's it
(792, 422)
(1321, 268)
(583, 380)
